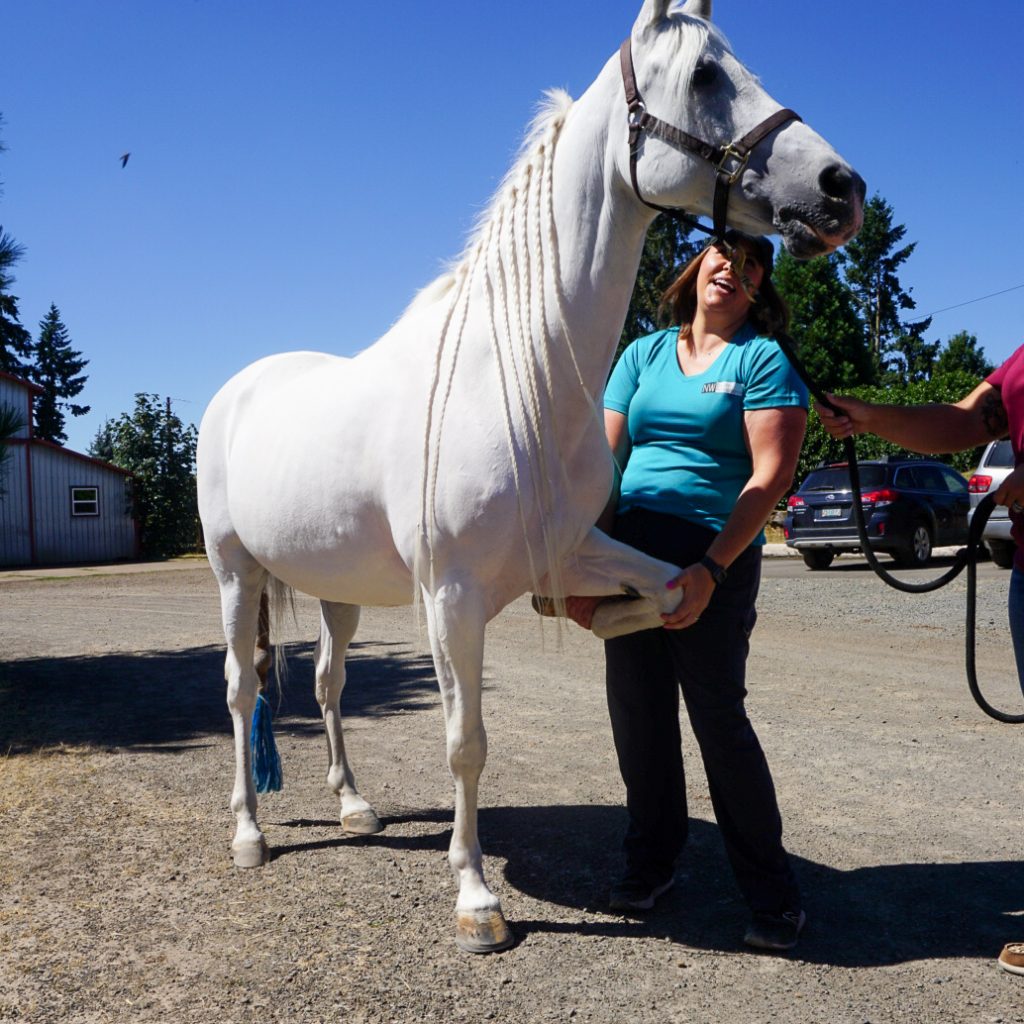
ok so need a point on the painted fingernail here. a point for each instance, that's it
(672, 584)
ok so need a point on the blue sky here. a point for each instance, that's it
(298, 170)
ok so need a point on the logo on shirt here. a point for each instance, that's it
(723, 387)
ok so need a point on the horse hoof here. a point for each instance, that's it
(251, 855)
(482, 931)
(361, 823)
(617, 616)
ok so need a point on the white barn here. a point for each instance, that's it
(56, 505)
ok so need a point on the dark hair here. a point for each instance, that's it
(767, 315)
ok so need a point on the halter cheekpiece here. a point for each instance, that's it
(729, 160)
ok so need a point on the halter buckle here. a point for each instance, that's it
(731, 153)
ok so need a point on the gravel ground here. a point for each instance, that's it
(118, 901)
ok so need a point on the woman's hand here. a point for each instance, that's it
(698, 586)
(581, 609)
(1011, 491)
(851, 420)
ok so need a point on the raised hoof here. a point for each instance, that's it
(251, 855)
(617, 616)
(361, 823)
(482, 931)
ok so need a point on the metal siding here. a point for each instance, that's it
(16, 396)
(62, 537)
(15, 545)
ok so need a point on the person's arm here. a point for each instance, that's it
(773, 437)
(930, 429)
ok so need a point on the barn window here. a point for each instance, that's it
(85, 501)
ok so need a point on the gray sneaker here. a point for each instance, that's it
(775, 931)
(633, 892)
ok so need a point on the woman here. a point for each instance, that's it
(706, 419)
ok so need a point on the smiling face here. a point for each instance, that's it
(727, 291)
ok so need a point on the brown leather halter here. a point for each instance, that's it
(729, 160)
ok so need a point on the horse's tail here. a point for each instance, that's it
(266, 761)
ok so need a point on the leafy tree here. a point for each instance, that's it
(871, 262)
(830, 336)
(667, 249)
(962, 352)
(57, 369)
(154, 444)
(15, 341)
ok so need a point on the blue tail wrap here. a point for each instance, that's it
(266, 762)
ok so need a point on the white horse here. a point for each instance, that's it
(460, 460)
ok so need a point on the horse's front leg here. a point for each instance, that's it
(456, 621)
(602, 566)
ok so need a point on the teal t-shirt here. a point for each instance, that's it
(688, 455)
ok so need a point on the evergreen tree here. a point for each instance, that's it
(830, 336)
(57, 369)
(914, 357)
(160, 451)
(15, 341)
(666, 251)
(871, 262)
(962, 353)
(10, 424)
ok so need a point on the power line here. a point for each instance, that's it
(980, 298)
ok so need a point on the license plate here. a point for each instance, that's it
(831, 513)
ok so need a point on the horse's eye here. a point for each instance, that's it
(705, 73)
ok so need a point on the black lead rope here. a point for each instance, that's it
(965, 558)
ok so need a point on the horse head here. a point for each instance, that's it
(793, 184)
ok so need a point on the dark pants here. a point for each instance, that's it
(645, 672)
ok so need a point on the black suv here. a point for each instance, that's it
(910, 506)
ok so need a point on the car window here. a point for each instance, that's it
(837, 478)
(1000, 454)
(955, 483)
(927, 478)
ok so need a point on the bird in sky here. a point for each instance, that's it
(124, 158)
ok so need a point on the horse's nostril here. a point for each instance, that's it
(837, 181)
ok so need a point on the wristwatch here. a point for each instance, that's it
(718, 573)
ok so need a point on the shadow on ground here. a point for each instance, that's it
(867, 917)
(167, 699)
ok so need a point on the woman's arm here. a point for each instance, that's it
(951, 427)
(773, 437)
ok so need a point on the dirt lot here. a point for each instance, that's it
(118, 901)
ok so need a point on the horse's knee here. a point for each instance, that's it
(467, 753)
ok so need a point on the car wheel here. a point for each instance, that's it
(818, 558)
(1002, 553)
(918, 549)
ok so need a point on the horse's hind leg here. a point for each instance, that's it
(337, 627)
(240, 592)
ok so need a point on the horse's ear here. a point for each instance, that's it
(652, 13)
(698, 9)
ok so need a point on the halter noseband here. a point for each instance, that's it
(729, 160)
